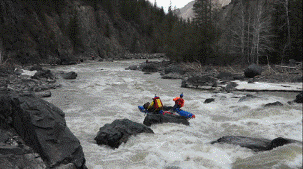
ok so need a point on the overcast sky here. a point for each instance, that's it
(165, 3)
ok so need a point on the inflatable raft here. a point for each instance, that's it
(180, 112)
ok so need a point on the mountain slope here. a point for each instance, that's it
(187, 11)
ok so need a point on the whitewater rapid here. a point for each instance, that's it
(105, 91)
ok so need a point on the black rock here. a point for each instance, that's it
(66, 61)
(43, 74)
(69, 75)
(167, 118)
(273, 104)
(42, 127)
(209, 100)
(299, 98)
(256, 144)
(36, 67)
(43, 94)
(119, 131)
(252, 71)
(149, 67)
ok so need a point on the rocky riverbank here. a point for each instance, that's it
(33, 132)
(227, 78)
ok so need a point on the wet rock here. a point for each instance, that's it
(252, 71)
(172, 76)
(256, 144)
(247, 97)
(119, 131)
(151, 119)
(43, 94)
(209, 100)
(149, 67)
(273, 104)
(184, 84)
(66, 61)
(299, 98)
(43, 74)
(69, 75)
(42, 127)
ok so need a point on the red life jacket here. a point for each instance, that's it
(179, 101)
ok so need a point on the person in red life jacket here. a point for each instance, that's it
(179, 101)
(156, 105)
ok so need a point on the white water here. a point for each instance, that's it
(105, 91)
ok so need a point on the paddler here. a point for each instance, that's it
(179, 102)
(156, 105)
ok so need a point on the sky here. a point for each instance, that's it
(165, 3)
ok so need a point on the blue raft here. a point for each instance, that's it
(183, 113)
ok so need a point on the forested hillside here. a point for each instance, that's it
(43, 31)
(245, 31)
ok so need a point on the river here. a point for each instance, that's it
(105, 91)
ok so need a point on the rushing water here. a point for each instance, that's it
(105, 91)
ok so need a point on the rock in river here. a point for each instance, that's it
(119, 131)
(256, 144)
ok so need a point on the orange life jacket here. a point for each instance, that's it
(179, 101)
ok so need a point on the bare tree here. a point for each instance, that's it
(261, 30)
(287, 46)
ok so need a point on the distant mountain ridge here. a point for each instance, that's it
(187, 12)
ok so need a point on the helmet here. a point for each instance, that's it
(181, 95)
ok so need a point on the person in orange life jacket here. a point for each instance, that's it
(179, 101)
(156, 105)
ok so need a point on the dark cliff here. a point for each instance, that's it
(45, 31)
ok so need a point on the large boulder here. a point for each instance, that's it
(256, 144)
(119, 131)
(209, 100)
(42, 127)
(151, 119)
(252, 71)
